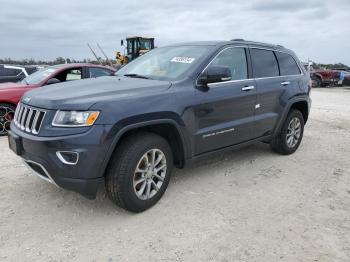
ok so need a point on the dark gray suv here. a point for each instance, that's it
(167, 108)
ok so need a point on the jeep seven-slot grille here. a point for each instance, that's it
(29, 119)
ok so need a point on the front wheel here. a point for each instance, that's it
(289, 138)
(139, 171)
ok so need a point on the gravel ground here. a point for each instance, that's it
(247, 205)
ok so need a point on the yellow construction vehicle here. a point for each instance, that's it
(135, 46)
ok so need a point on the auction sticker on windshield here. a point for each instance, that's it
(179, 59)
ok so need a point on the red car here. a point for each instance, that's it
(11, 93)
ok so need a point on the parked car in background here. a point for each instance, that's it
(11, 93)
(325, 77)
(10, 73)
(346, 80)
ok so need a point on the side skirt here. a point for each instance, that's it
(194, 159)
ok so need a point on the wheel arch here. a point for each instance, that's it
(303, 107)
(301, 104)
(167, 128)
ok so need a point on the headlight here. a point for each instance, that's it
(75, 118)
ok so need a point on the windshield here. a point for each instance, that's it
(166, 63)
(38, 76)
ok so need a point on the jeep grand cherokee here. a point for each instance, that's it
(167, 108)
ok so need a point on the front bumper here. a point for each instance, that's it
(40, 155)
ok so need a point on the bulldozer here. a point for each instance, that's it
(135, 47)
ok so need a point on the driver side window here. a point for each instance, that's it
(73, 74)
(235, 59)
(69, 74)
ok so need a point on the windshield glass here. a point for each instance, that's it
(166, 63)
(38, 76)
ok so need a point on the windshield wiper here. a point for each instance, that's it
(137, 76)
(25, 81)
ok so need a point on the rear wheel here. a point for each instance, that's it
(139, 171)
(7, 113)
(289, 138)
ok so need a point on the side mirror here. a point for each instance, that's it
(52, 81)
(215, 74)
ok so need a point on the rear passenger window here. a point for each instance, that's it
(264, 63)
(288, 66)
(97, 72)
(235, 59)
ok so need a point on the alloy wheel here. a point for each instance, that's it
(6, 116)
(149, 174)
(293, 132)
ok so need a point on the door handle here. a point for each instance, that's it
(247, 88)
(285, 83)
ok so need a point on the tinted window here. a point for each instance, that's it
(288, 66)
(264, 63)
(97, 72)
(235, 59)
(9, 71)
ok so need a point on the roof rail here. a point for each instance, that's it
(237, 39)
(280, 46)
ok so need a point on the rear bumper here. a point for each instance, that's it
(82, 176)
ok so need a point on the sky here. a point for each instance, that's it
(41, 29)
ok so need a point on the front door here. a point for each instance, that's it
(225, 115)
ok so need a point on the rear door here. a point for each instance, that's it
(225, 114)
(269, 90)
(290, 72)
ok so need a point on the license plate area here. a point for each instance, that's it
(15, 143)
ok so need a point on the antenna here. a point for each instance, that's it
(92, 51)
(109, 61)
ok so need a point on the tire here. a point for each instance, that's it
(285, 142)
(318, 82)
(122, 176)
(7, 112)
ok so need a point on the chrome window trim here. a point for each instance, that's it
(231, 81)
(249, 79)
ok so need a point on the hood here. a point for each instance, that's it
(82, 94)
(7, 86)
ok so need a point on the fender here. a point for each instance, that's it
(286, 109)
(118, 133)
(319, 76)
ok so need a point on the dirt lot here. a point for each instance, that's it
(248, 205)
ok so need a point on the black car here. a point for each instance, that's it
(167, 108)
(14, 73)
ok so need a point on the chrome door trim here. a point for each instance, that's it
(247, 88)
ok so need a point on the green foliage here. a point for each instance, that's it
(329, 66)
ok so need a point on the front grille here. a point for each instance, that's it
(29, 119)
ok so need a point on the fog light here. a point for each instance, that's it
(68, 157)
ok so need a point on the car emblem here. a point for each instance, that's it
(26, 99)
